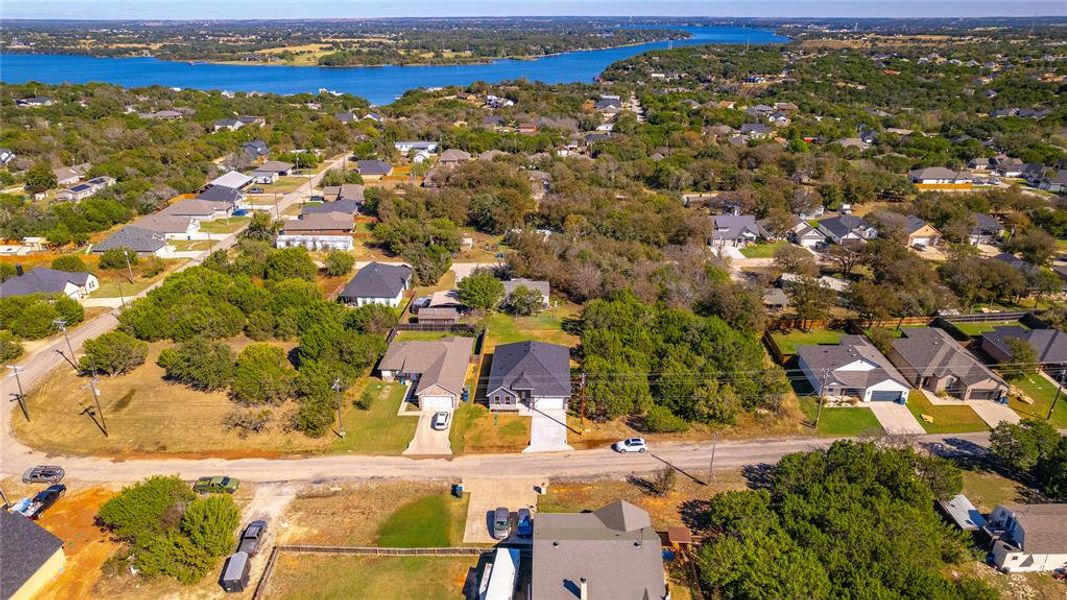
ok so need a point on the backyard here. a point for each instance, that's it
(944, 418)
(303, 576)
(1042, 392)
(788, 341)
(227, 225)
(977, 329)
(544, 327)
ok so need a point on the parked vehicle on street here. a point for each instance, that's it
(43, 501)
(501, 523)
(43, 474)
(252, 537)
(216, 485)
(630, 445)
(524, 523)
(255, 190)
(440, 420)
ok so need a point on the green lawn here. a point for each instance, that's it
(544, 327)
(319, 576)
(764, 250)
(377, 430)
(192, 245)
(946, 419)
(476, 429)
(788, 342)
(421, 336)
(986, 489)
(1041, 391)
(227, 225)
(845, 421)
(111, 289)
(430, 522)
(977, 329)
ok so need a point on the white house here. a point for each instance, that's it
(1030, 537)
(377, 283)
(50, 281)
(407, 146)
(853, 368)
(318, 231)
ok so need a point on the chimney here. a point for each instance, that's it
(583, 589)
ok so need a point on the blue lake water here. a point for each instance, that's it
(380, 85)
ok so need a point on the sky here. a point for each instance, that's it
(274, 9)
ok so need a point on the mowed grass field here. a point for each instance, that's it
(789, 340)
(1042, 392)
(841, 421)
(324, 577)
(476, 429)
(945, 419)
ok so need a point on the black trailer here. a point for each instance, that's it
(235, 574)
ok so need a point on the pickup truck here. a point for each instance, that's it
(252, 537)
(216, 485)
(41, 502)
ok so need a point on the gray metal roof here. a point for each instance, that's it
(377, 280)
(41, 281)
(24, 547)
(542, 369)
(614, 548)
(541, 286)
(133, 238)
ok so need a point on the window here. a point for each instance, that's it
(496, 399)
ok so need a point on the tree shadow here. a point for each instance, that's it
(758, 476)
(694, 514)
(643, 484)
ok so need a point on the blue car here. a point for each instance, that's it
(524, 525)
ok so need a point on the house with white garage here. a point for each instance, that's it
(137, 239)
(846, 229)
(377, 283)
(437, 370)
(533, 375)
(1029, 537)
(805, 235)
(853, 367)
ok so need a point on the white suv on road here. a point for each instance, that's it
(630, 445)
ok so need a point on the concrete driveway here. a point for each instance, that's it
(428, 441)
(486, 494)
(895, 418)
(993, 413)
(548, 432)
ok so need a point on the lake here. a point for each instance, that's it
(380, 85)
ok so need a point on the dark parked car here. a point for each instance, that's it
(253, 537)
(501, 523)
(255, 190)
(216, 485)
(43, 474)
(43, 501)
(524, 523)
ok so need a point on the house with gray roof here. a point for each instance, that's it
(31, 556)
(348, 207)
(1029, 537)
(50, 281)
(201, 210)
(377, 283)
(171, 227)
(986, 230)
(373, 168)
(529, 374)
(544, 287)
(346, 191)
(845, 229)
(221, 193)
(256, 148)
(854, 368)
(454, 156)
(939, 176)
(736, 231)
(437, 369)
(805, 235)
(930, 359)
(1050, 345)
(612, 552)
(139, 240)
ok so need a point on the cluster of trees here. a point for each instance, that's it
(168, 530)
(483, 290)
(828, 524)
(1034, 450)
(672, 366)
(33, 316)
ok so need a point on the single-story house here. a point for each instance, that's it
(775, 299)
(930, 359)
(169, 226)
(232, 179)
(1056, 182)
(940, 177)
(1050, 345)
(139, 240)
(346, 117)
(407, 146)
(222, 194)
(1010, 167)
(612, 552)
(377, 283)
(454, 156)
(264, 177)
(256, 148)
(227, 125)
(438, 368)
(252, 120)
(803, 234)
(920, 233)
(42, 280)
(85, 189)
(31, 557)
(544, 287)
(347, 191)
(756, 131)
(986, 230)
(162, 115)
(201, 210)
(833, 284)
(609, 105)
(317, 231)
(34, 102)
(445, 299)
(278, 167)
(347, 207)
(373, 168)
(444, 315)
(736, 230)
(847, 228)
(71, 175)
(853, 367)
(1029, 537)
(531, 374)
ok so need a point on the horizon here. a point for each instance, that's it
(238, 10)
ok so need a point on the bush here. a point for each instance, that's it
(153, 267)
(200, 364)
(290, 263)
(371, 318)
(481, 290)
(35, 321)
(263, 375)
(210, 523)
(113, 353)
(664, 481)
(660, 419)
(245, 422)
(71, 264)
(144, 510)
(10, 347)
(115, 258)
(339, 262)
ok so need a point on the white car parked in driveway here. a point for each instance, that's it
(630, 445)
(440, 420)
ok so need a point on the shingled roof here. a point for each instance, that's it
(24, 547)
(931, 352)
(439, 363)
(377, 280)
(540, 368)
(41, 281)
(132, 238)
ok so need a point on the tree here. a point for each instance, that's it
(794, 259)
(37, 320)
(262, 227)
(480, 290)
(845, 257)
(210, 523)
(142, 511)
(116, 258)
(523, 301)
(1024, 359)
(262, 376)
(39, 178)
(810, 300)
(1035, 246)
(200, 364)
(1023, 445)
(10, 346)
(290, 263)
(1051, 471)
(371, 318)
(70, 263)
(114, 353)
(339, 262)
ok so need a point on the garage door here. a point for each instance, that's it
(921, 241)
(549, 404)
(885, 396)
(435, 402)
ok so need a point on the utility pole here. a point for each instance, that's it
(129, 267)
(714, 443)
(340, 423)
(581, 402)
(277, 215)
(1063, 377)
(121, 297)
(20, 397)
(62, 325)
(822, 394)
(92, 385)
